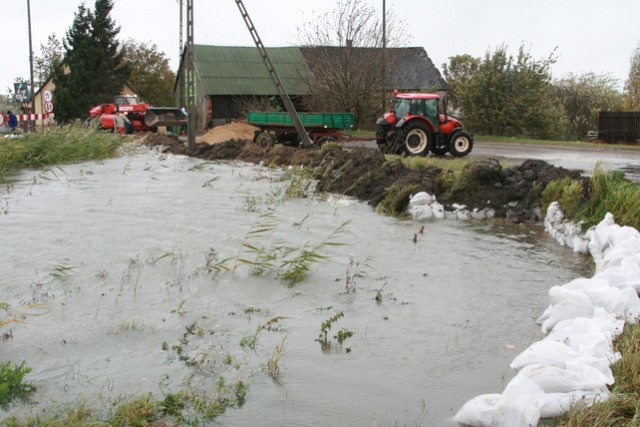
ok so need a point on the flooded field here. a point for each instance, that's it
(138, 275)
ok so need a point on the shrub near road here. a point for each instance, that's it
(56, 145)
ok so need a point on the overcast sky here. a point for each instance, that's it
(591, 35)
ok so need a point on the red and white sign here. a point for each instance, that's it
(2, 119)
(48, 107)
(47, 95)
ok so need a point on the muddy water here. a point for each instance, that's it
(108, 261)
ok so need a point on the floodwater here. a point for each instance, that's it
(107, 262)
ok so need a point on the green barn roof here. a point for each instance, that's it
(230, 70)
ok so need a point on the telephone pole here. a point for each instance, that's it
(191, 86)
(33, 102)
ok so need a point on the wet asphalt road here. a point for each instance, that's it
(583, 157)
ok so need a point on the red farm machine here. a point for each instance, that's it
(128, 114)
(419, 124)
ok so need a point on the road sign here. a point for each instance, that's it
(48, 107)
(47, 95)
(1, 119)
(22, 94)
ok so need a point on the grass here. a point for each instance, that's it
(186, 407)
(604, 192)
(56, 145)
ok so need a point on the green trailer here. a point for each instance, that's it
(278, 127)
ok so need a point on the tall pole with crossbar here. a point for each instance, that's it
(190, 84)
(302, 134)
(33, 102)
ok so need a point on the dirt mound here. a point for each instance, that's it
(237, 130)
(169, 142)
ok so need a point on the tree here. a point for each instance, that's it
(632, 85)
(92, 70)
(504, 95)
(50, 54)
(459, 75)
(151, 75)
(346, 59)
(582, 97)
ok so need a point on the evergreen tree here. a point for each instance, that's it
(93, 70)
(108, 61)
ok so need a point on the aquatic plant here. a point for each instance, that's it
(296, 268)
(273, 364)
(12, 384)
(341, 336)
(355, 269)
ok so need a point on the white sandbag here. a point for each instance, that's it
(438, 210)
(480, 411)
(545, 352)
(565, 304)
(557, 404)
(576, 376)
(620, 234)
(520, 403)
(421, 198)
(420, 212)
(627, 274)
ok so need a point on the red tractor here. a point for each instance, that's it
(128, 114)
(419, 124)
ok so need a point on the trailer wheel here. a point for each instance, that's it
(264, 140)
(416, 136)
(324, 139)
(461, 143)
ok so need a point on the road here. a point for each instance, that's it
(579, 157)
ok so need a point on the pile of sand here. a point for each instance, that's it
(238, 130)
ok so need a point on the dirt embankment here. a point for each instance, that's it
(514, 193)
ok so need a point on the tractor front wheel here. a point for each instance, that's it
(416, 137)
(264, 140)
(461, 143)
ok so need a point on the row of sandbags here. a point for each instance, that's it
(572, 363)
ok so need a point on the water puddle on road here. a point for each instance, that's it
(109, 262)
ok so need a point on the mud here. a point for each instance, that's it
(513, 192)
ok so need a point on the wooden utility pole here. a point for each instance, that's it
(191, 85)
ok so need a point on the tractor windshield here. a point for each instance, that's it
(402, 107)
(126, 100)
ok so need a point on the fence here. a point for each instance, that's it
(616, 126)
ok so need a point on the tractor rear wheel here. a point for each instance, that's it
(264, 140)
(461, 143)
(415, 137)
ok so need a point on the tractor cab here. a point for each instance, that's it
(126, 100)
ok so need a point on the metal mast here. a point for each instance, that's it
(191, 86)
(302, 134)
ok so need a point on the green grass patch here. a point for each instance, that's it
(12, 384)
(604, 192)
(56, 145)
